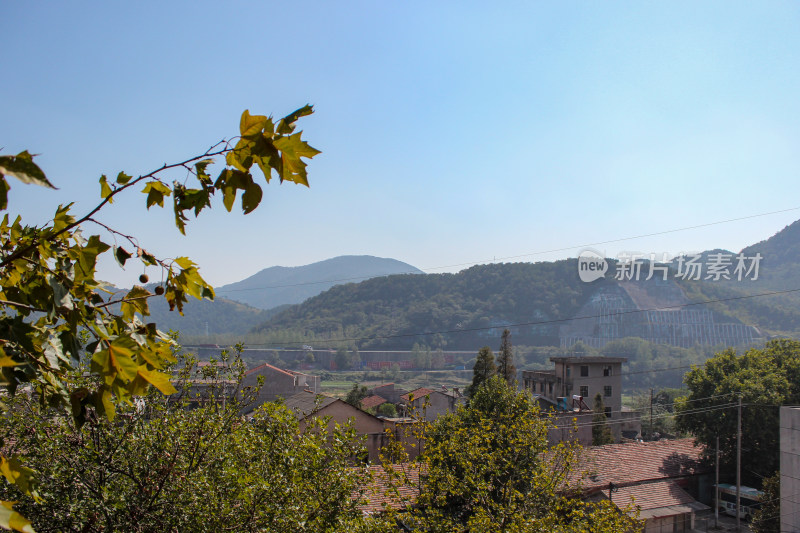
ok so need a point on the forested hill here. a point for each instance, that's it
(279, 285)
(478, 297)
(780, 264)
(471, 308)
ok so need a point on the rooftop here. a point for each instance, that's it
(591, 359)
(372, 401)
(418, 393)
(634, 462)
(655, 500)
(305, 403)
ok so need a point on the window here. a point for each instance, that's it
(607, 391)
(550, 386)
(607, 370)
(541, 386)
(569, 370)
(608, 412)
(584, 371)
(585, 391)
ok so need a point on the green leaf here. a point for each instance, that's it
(121, 255)
(135, 302)
(10, 519)
(3, 192)
(251, 124)
(147, 258)
(6, 360)
(123, 178)
(251, 196)
(105, 404)
(121, 355)
(62, 219)
(158, 379)
(105, 188)
(200, 170)
(156, 191)
(21, 476)
(287, 123)
(24, 169)
(292, 150)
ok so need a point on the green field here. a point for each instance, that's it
(337, 384)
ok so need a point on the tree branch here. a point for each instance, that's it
(34, 242)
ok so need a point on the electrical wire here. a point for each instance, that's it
(529, 254)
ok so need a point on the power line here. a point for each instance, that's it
(529, 254)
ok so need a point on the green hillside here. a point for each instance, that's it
(478, 297)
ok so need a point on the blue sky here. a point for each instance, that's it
(451, 132)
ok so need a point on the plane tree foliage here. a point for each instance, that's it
(488, 468)
(764, 379)
(53, 309)
(185, 462)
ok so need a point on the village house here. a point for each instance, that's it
(430, 404)
(580, 379)
(277, 383)
(308, 405)
(660, 480)
(389, 392)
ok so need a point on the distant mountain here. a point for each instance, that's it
(218, 316)
(466, 303)
(539, 297)
(279, 285)
(780, 263)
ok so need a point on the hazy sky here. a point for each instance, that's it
(451, 132)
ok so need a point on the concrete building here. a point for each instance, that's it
(277, 383)
(583, 377)
(790, 469)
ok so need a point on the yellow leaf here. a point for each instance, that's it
(158, 380)
(10, 519)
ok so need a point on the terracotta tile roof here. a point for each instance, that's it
(391, 490)
(633, 462)
(270, 367)
(626, 465)
(418, 393)
(656, 500)
(372, 401)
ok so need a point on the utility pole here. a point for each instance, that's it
(739, 465)
(716, 491)
(651, 414)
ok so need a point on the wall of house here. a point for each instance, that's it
(669, 524)
(434, 405)
(364, 423)
(570, 427)
(790, 469)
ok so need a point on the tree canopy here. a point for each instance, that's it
(483, 369)
(185, 463)
(764, 379)
(53, 309)
(489, 468)
(505, 359)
